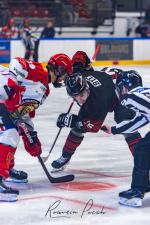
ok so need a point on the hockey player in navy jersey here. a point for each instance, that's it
(137, 99)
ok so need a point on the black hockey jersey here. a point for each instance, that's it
(100, 100)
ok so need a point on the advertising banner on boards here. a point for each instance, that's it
(115, 49)
(4, 51)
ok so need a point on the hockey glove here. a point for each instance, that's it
(13, 101)
(113, 72)
(80, 60)
(67, 120)
(26, 109)
(106, 129)
(31, 141)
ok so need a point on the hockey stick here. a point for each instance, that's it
(46, 157)
(51, 179)
(96, 52)
(62, 179)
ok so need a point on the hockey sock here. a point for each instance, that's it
(132, 140)
(74, 139)
(12, 163)
(6, 156)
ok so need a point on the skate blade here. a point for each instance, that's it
(54, 170)
(8, 197)
(13, 180)
(134, 202)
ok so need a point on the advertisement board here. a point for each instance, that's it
(4, 51)
(115, 49)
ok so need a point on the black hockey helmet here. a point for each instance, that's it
(129, 79)
(76, 84)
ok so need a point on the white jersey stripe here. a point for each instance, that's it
(137, 99)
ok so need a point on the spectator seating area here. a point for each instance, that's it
(70, 12)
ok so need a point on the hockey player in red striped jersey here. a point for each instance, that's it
(33, 96)
(59, 65)
(33, 71)
(10, 97)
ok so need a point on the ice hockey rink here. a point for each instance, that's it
(102, 166)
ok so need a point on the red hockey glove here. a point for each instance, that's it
(32, 143)
(16, 94)
(80, 59)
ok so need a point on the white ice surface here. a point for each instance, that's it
(101, 159)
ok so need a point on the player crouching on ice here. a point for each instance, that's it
(89, 89)
(34, 72)
(15, 107)
(10, 98)
(137, 98)
(59, 65)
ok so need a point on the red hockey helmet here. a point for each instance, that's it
(61, 64)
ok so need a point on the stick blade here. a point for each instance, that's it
(62, 179)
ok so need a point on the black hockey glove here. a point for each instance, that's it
(67, 120)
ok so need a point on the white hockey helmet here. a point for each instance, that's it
(17, 70)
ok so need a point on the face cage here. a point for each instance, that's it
(119, 90)
(85, 90)
(58, 70)
(58, 84)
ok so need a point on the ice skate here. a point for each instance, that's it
(131, 198)
(7, 194)
(60, 164)
(17, 176)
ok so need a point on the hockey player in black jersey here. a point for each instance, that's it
(95, 92)
(139, 100)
